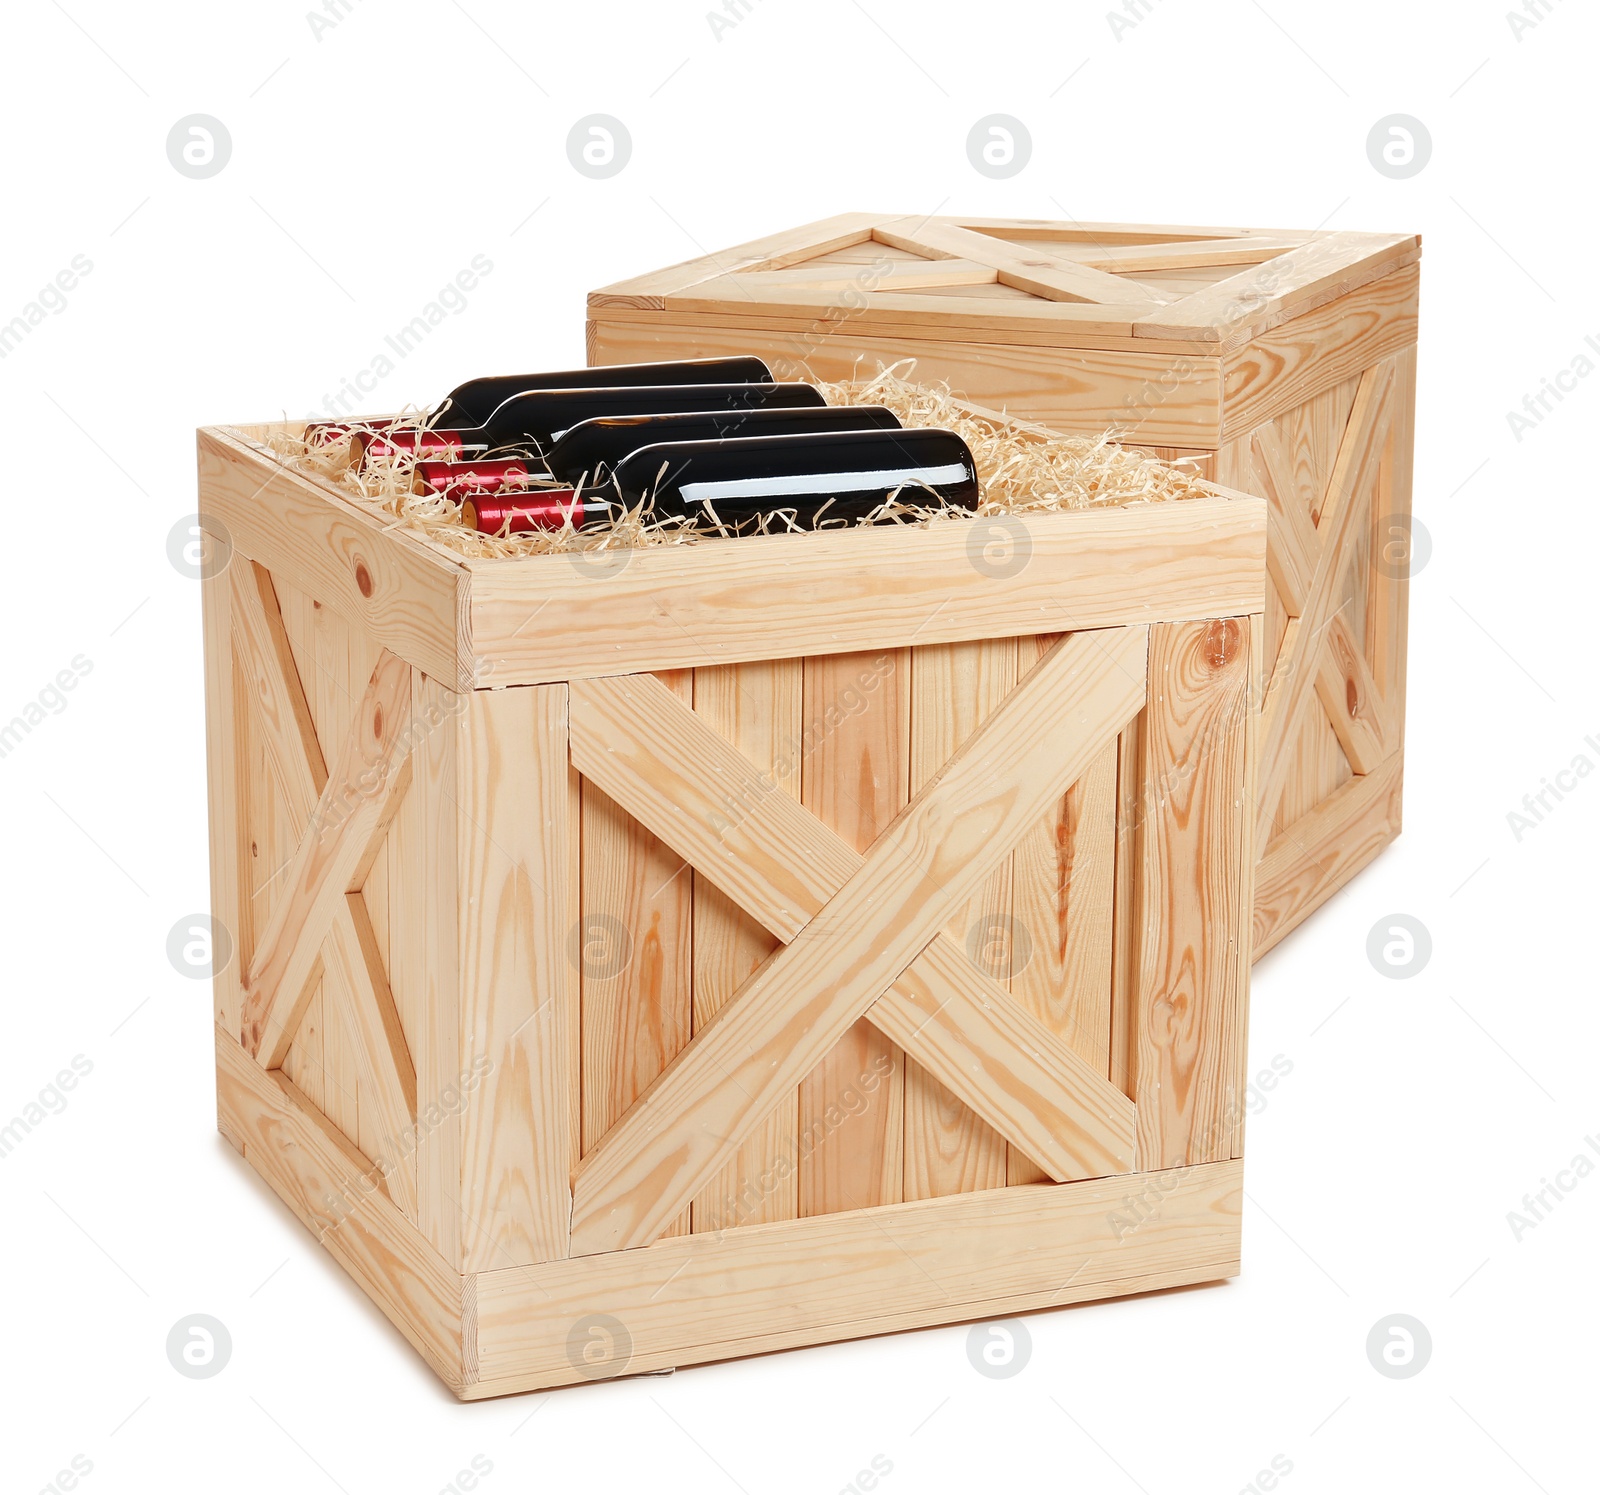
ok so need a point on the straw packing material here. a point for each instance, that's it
(1022, 468)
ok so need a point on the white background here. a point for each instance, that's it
(372, 164)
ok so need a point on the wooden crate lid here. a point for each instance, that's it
(1211, 286)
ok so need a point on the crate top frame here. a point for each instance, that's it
(484, 624)
(1155, 288)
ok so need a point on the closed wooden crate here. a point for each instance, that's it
(1284, 363)
(738, 946)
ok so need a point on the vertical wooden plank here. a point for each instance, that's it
(1389, 593)
(512, 834)
(954, 687)
(225, 747)
(424, 956)
(397, 925)
(1317, 768)
(1064, 880)
(855, 777)
(274, 835)
(575, 979)
(1255, 686)
(1125, 908)
(334, 692)
(757, 707)
(1195, 842)
(636, 956)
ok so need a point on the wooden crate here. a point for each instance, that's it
(753, 944)
(1285, 363)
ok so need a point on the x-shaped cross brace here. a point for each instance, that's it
(1306, 560)
(863, 933)
(320, 918)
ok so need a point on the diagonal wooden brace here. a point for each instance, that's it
(346, 814)
(860, 941)
(1301, 670)
(967, 1030)
(1033, 269)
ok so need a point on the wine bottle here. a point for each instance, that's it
(529, 423)
(845, 475)
(593, 446)
(472, 403)
(535, 420)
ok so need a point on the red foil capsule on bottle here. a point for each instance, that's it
(326, 432)
(479, 475)
(523, 513)
(438, 445)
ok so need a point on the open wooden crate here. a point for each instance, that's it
(736, 946)
(1284, 363)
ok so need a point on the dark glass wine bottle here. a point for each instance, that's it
(592, 447)
(528, 424)
(471, 404)
(533, 422)
(819, 480)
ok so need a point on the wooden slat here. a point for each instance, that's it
(1244, 947)
(1317, 768)
(885, 276)
(1265, 295)
(726, 601)
(351, 816)
(1292, 544)
(637, 961)
(277, 695)
(919, 869)
(1195, 856)
(771, 1286)
(612, 334)
(1388, 598)
(1064, 879)
(742, 834)
(512, 834)
(854, 780)
(949, 1148)
(756, 709)
(274, 689)
(1035, 271)
(388, 1078)
(998, 1059)
(1125, 940)
(1350, 487)
(1076, 231)
(923, 313)
(1350, 696)
(338, 661)
(1320, 852)
(776, 251)
(424, 944)
(277, 820)
(403, 593)
(1141, 259)
(226, 746)
(289, 1143)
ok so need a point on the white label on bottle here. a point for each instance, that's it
(821, 482)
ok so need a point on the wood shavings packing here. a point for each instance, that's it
(1023, 469)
